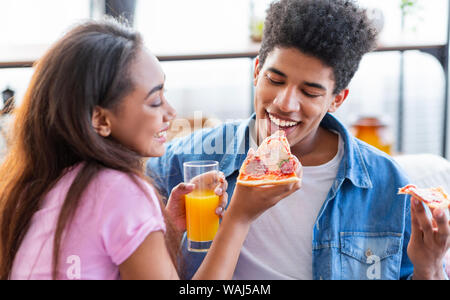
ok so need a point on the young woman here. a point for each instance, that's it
(74, 201)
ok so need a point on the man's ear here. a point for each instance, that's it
(338, 100)
(101, 121)
(256, 71)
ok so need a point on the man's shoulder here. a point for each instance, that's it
(380, 163)
(209, 141)
(207, 132)
(360, 152)
(371, 152)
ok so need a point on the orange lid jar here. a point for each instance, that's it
(374, 132)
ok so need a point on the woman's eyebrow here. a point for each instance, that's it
(155, 89)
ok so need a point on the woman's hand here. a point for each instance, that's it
(176, 208)
(430, 241)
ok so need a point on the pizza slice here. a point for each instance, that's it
(271, 164)
(433, 197)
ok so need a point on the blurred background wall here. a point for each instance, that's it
(222, 88)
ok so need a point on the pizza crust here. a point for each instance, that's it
(268, 182)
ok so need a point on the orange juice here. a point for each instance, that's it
(201, 219)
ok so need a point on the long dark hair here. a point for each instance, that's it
(88, 67)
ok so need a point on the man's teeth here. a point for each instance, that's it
(282, 123)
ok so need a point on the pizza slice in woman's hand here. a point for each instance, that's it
(433, 197)
(272, 163)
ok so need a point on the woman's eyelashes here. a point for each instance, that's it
(156, 103)
(158, 100)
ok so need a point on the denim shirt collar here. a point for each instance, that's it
(353, 165)
(237, 147)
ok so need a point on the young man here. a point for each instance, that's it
(347, 221)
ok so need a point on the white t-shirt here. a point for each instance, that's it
(279, 242)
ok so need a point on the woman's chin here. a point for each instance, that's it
(158, 151)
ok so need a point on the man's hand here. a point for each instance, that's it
(430, 240)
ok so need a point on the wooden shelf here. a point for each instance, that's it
(24, 57)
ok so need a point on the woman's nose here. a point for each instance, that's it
(170, 114)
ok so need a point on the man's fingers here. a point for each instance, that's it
(442, 223)
(299, 170)
(290, 188)
(277, 192)
(424, 222)
(416, 233)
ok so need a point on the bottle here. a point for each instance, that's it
(6, 120)
(8, 101)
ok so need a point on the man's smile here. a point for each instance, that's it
(275, 122)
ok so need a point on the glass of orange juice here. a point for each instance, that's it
(201, 219)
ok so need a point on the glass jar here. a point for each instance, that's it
(374, 132)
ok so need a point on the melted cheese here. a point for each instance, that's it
(272, 153)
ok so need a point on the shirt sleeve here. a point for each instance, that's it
(130, 213)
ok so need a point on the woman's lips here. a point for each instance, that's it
(162, 135)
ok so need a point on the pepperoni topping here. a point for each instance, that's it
(287, 167)
(256, 167)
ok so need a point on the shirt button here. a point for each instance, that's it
(368, 252)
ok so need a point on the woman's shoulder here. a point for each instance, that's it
(111, 182)
(106, 178)
(115, 187)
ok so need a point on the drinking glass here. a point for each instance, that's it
(201, 219)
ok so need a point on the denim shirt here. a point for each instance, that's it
(363, 228)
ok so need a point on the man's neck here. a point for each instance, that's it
(318, 149)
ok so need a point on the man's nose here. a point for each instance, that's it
(288, 100)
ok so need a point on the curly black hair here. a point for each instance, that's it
(337, 32)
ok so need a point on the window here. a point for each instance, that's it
(28, 28)
(196, 25)
(223, 88)
(30, 22)
(214, 88)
